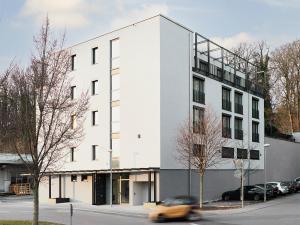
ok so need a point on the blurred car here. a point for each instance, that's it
(292, 186)
(297, 180)
(282, 187)
(257, 193)
(273, 189)
(181, 207)
(236, 194)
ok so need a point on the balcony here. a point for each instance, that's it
(226, 132)
(238, 108)
(255, 113)
(255, 137)
(238, 134)
(226, 105)
(199, 97)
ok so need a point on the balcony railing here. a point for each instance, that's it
(238, 108)
(226, 105)
(255, 137)
(226, 132)
(255, 113)
(238, 134)
(199, 97)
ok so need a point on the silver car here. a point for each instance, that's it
(282, 188)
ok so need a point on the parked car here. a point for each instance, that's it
(181, 207)
(257, 193)
(297, 180)
(272, 188)
(236, 194)
(292, 186)
(282, 187)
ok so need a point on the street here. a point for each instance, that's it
(281, 211)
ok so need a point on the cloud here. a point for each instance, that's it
(65, 13)
(233, 41)
(130, 16)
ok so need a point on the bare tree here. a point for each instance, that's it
(41, 111)
(200, 143)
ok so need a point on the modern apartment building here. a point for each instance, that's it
(145, 80)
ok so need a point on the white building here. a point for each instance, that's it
(144, 83)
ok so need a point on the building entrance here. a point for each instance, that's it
(121, 188)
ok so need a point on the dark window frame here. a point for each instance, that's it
(241, 153)
(255, 108)
(238, 102)
(72, 150)
(255, 131)
(84, 177)
(94, 117)
(226, 131)
(196, 124)
(94, 55)
(73, 57)
(199, 95)
(226, 98)
(254, 154)
(227, 153)
(94, 82)
(72, 94)
(73, 178)
(238, 130)
(94, 152)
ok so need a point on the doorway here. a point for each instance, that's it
(99, 189)
(120, 189)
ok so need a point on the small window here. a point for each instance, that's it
(242, 153)
(198, 118)
(73, 59)
(73, 178)
(94, 117)
(94, 152)
(94, 87)
(226, 100)
(94, 55)
(73, 89)
(254, 154)
(72, 150)
(227, 153)
(84, 177)
(226, 128)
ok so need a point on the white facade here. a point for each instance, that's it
(141, 86)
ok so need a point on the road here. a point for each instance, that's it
(282, 211)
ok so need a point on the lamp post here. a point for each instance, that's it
(265, 172)
(110, 167)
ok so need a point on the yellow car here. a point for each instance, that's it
(181, 207)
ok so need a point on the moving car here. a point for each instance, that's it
(236, 194)
(282, 187)
(273, 189)
(297, 180)
(257, 193)
(292, 186)
(181, 207)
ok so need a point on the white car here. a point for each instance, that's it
(283, 189)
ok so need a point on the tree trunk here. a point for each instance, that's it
(35, 220)
(201, 191)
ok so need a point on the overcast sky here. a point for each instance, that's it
(228, 22)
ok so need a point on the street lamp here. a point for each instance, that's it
(265, 172)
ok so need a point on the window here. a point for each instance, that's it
(255, 111)
(84, 177)
(94, 55)
(242, 153)
(94, 117)
(73, 88)
(254, 154)
(94, 152)
(226, 129)
(73, 122)
(198, 90)
(198, 150)
(227, 153)
(255, 134)
(238, 102)
(73, 59)
(94, 87)
(238, 128)
(73, 178)
(198, 116)
(72, 150)
(226, 103)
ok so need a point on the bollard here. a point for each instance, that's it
(71, 213)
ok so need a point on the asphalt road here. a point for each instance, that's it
(282, 211)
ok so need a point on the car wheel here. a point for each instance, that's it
(192, 216)
(160, 218)
(226, 198)
(256, 197)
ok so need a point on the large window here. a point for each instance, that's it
(255, 133)
(238, 102)
(198, 90)
(226, 102)
(94, 55)
(226, 128)
(238, 128)
(198, 116)
(227, 153)
(255, 111)
(242, 153)
(254, 154)
(73, 61)
(94, 87)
